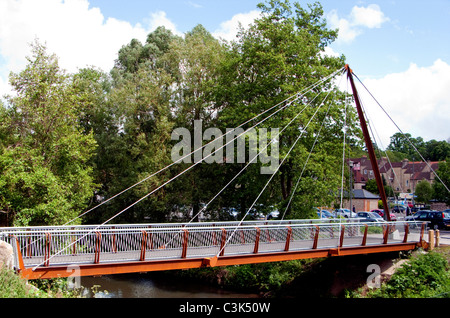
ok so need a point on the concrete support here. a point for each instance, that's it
(6, 255)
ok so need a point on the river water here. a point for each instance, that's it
(152, 285)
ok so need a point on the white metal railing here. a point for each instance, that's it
(46, 246)
(176, 225)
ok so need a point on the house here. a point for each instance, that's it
(362, 200)
(402, 176)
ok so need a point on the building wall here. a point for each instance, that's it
(362, 204)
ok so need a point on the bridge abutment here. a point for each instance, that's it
(6, 255)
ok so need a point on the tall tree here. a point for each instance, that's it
(423, 191)
(276, 57)
(440, 191)
(194, 63)
(45, 173)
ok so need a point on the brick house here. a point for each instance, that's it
(401, 176)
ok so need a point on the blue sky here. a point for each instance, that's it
(400, 48)
(415, 31)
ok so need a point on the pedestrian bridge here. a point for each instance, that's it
(89, 250)
(62, 251)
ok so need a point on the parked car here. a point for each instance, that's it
(419, 214)
(399, 209)
(436, 219)
(321, 216)
(345, 213)
(381, 213)
(273, 215)
(369, 217)
(326, 213)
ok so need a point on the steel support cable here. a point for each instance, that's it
(295, 96)
(254, 158)
(376, 138)
(307, 159)
(298, 96)
(343, 155)
(414, 147)
(342, 176)
(271, 177)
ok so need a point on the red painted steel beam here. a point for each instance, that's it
(369, 145)
(186, 263)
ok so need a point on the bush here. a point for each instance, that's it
(12, 286)
(425, 275)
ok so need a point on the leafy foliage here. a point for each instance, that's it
(46, 178)
(426, 275)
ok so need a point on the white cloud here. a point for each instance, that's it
(418, 101)
(80, 36)
(370, 17)
(195, 5)
(347, 33)
(159, 18)
(229, 29)
(360, 17)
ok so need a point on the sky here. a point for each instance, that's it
(400, 49)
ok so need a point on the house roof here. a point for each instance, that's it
(364, 194)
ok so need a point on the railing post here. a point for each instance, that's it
(28, 247)
(405, 238)
(150, 240)
(214, 235)
(222, 242)
(341, 240)
(74, 244)
(316, 237)
(288, 239)
(98, 240)
(258, 233)
(17, 253)
(185, 243)
(113, 245)
(364, 240)
(385, 233)
(47, 249)
(422, 231)
(143, 245)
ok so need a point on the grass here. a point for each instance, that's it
(12, 286)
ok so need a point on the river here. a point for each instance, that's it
(152, 285)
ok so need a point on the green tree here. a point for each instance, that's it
(423, 191)
(401, 143)
(196, 59)
(437, 150)
(440, 191)
(277, 56)
(44, 159)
